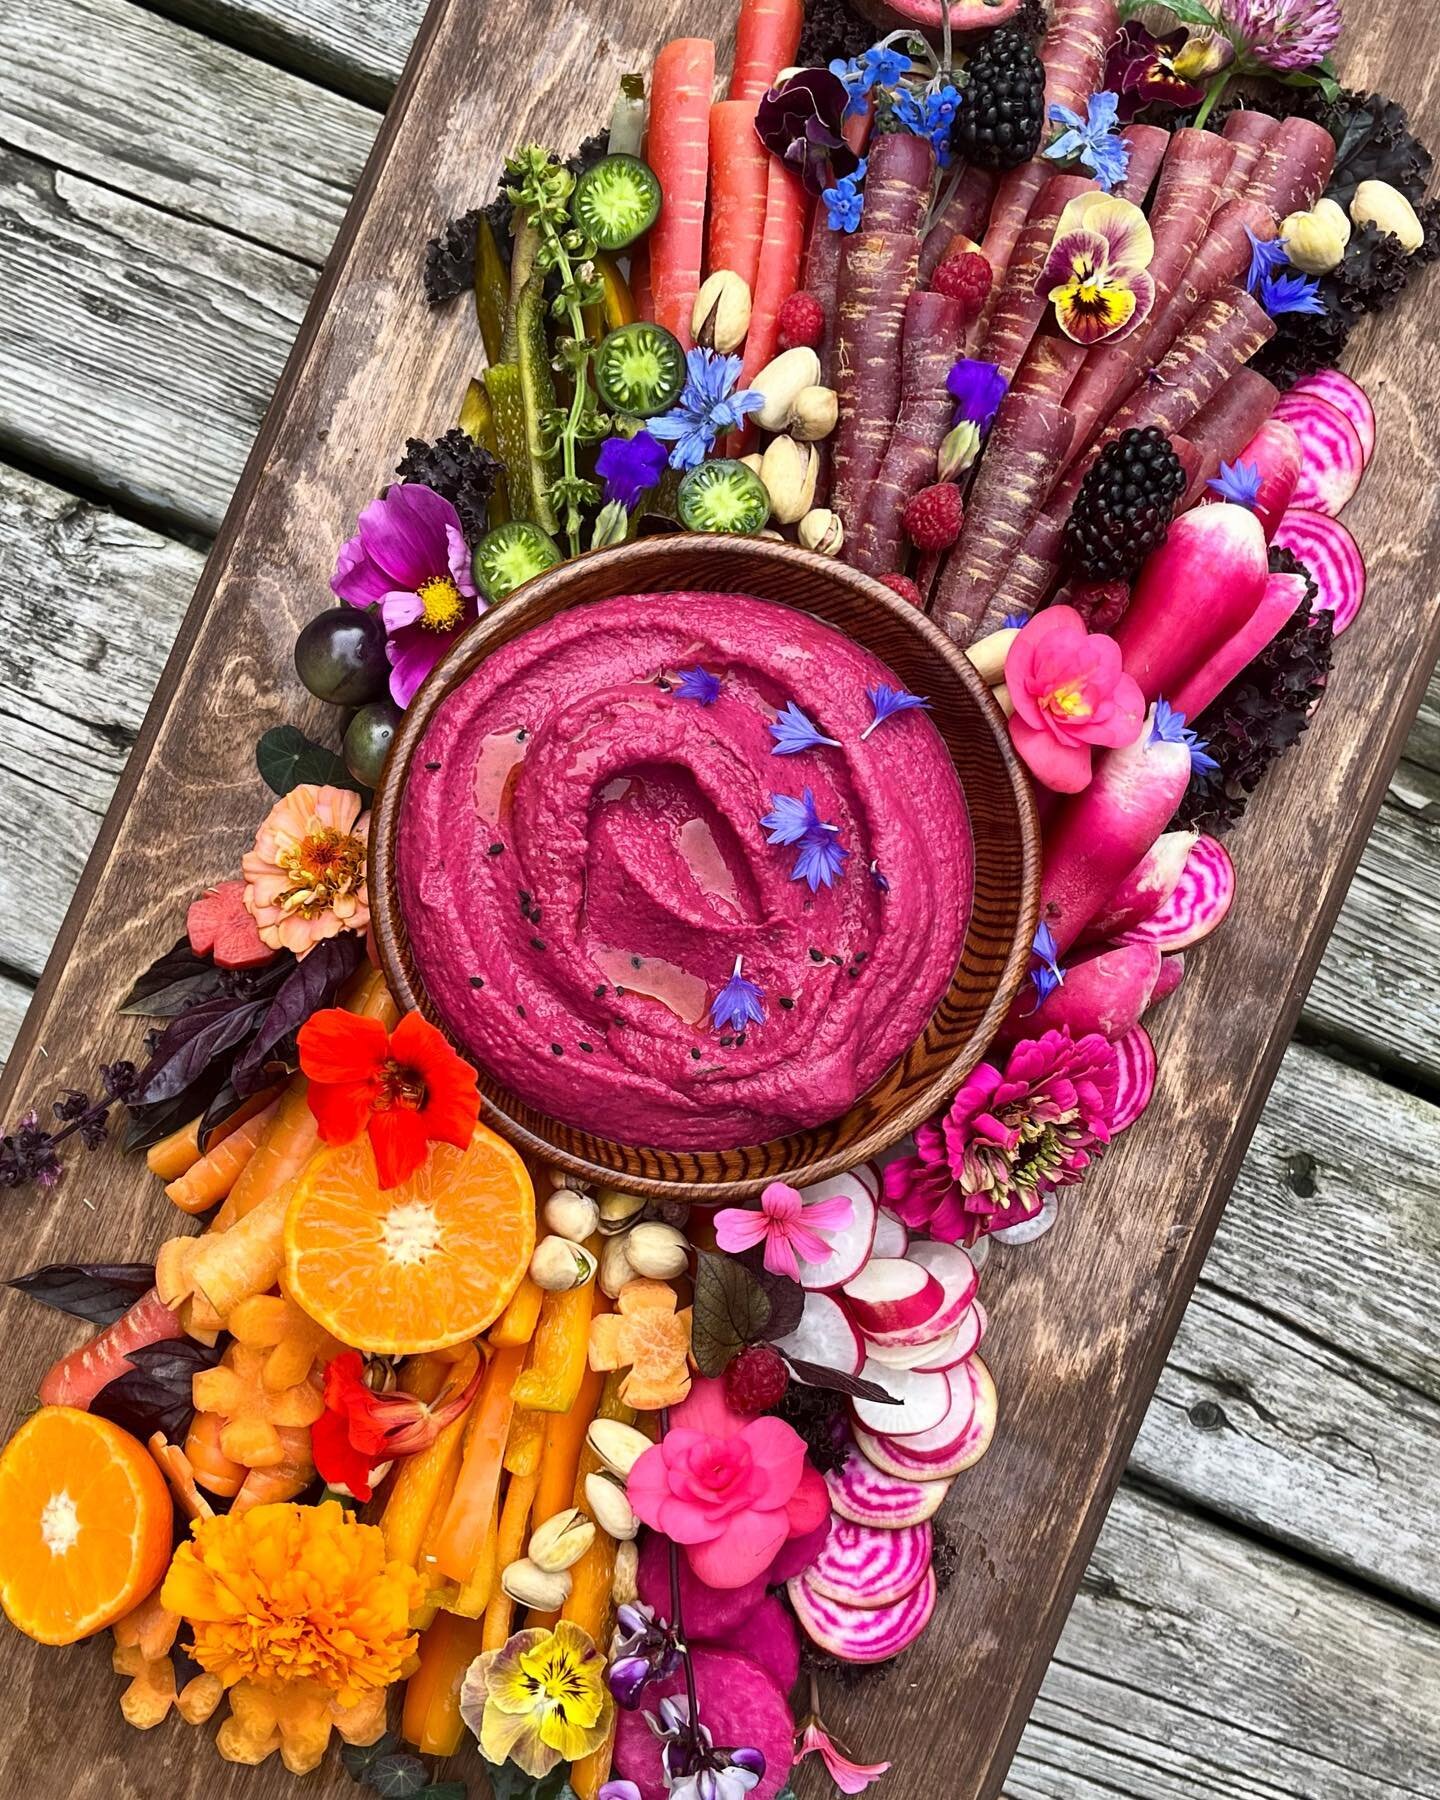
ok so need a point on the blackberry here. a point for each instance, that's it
(1003, 117)
(1124, 506)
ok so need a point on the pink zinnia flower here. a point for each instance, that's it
(1009, 1139)
(1282, 34)
(787, 1224)
(1070, 693)
(850, 1777)
(305, 875)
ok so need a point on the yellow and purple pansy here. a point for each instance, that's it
(1097, 273)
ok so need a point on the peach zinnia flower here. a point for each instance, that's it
(305, 877)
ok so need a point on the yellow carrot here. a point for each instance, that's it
(590, 1774)
(564, 1440)
(474, 1595)
(510, 1544)
(213, 1176)
(467, 1518)
(424, 1479)
(516, 1325)
(229, 1266)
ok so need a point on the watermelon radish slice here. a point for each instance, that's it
(870, 1565)
(968, 1335)
(219, 926)
(1333, 558)
(868, 1496)
(1346, 396)
(770, 1636)
(850, 1246)
(857, 1634)
(1201, 900)
(918, 1404)
(1332, 456)
(1027, 1230)
(908, 1460)
(1136, 1056)
(869, 1173)
(711, 1613)
(893, 1294)
(824, 1336)
(739, 1701)
(891, 1237)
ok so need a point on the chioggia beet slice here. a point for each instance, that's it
(1332, 456)
(1202, 898)
(1136, 1057)
(870, 1565)
(1333, 558)
(868, 1496)
(862, 1634)
(1346, 396)
(740, 1703)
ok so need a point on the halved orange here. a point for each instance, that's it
(416, 1267)
(85, 1524)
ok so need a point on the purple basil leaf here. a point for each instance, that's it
(786, 1297)
(97, 1292)
(814, 1375)
(154, 1395)
(172, 982)
(191, 1043)
(148, 1124)
(313, 983)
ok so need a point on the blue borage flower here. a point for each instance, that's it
(880, 66)
(1090, 140)
(793, 732)
(1293, 293)
(1015, 621)
(1267, 255)
(738, 1004)
(699, 685)
(1048, 975)
(929, 114)
(845, 202)
(1238, 482)
(1168, 727)
(886, 702)
(709, 404)
(822, 856)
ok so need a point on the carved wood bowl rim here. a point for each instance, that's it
(1005, 904)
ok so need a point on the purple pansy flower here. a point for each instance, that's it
(630, 467)
(409, 558)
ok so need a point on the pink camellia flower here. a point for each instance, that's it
(850, 1777)
(787, 1224)
(729, 1490)
(1070, 693)
(305, 875)
(1009, 1139)
(410, 558)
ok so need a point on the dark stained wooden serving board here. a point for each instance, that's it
(1081, 1322)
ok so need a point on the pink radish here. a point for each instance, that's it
(952, 1423)
(870, 1565)
(1275, 451)
(1346, 396)
(1172, 973)
(958, 1276)
(1198, 905)
(1106, 991)
(892, 1294)
(1152, 881)
(1136, 1056)
(862, 1634)
(964, 1342)
(891, 1237)
(1027, 1230)
(918, 1404)
(824, 1336)
(1333, 458)
(1281, 595)
(903, 1458)
(850, 1245)
(870, 1175)
(740, 1703)
(860, 1491)
(916, 1356)
(1333, 559)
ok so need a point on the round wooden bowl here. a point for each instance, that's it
(997, 945)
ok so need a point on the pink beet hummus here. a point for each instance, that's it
(581, 862)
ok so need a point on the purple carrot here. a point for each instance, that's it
(898, 173)
(1147, 152)
(1293, 166)
(1023, 301)
(1226, 423)
(960, 219)
(818, 277)
(1249, 132)
(1050, 365)
(877, 272)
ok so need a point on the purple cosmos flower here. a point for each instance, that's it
(708, 405)
(886, 702)
(409, 558)
(739, 1003)
(793, 732)
(1090, 141)
(1238, 482)
(1267, 255)
(699, 685)
(1285, 35)
(1168, 726)
(630, 467)
(799, 121)
(977, 388)
(1294, 293)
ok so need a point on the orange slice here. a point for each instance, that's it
(85, 1525)
(416, 1267)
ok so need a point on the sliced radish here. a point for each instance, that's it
(869, 1173)
(891, 1237)
(979, 1254)
(916, 1356)
(1027, 1230)
(893, 1294)
(1346, 396)
(918, 1404)
(870, 1565)
(860, 1491)
(863, 1634)
(849, 1246)
(1135, 1055)
(825, 1336)
(1332, 558)
(1333, 458)
(966, 1341)
(1201, 900)
(959, 1278)
(946, 1432)
(903, 1458)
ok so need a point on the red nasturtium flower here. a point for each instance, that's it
(407, 1088)
(360, 1431)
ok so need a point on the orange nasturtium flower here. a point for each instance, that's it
(361, 1431)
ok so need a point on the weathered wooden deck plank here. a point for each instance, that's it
(358, 46)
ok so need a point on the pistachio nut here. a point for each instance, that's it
(529, 1585)
(1315, 241)
(659, 1252)
(721, 314)
(814, 414)
(571, 1215)
(561, 1541)
(781, 382)
(557, 1265)
(615, 1267)
(625, 1582)
(605, 1496)
(988, 654)
(790, 472)
(619, 1446)
(753, 461)
(1001, 697)
(617, 1209)
(821, 531)
(1386, 208)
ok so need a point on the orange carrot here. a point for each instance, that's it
(228, 1266)
(786, 209)
(173, 1156)
(432, 1695)
(510, 1544)
(678, 147)
(516, 1325)
(467, 1518)
(767, 40)
(212, 1178)
(739, 174)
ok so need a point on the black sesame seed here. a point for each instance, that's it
(432, 766)
(557, 1050)
(696, 1054)
(537, 943)
(600, 991)
(634, 962)
(739, 1041)
(525, 898)
(726, 1042)
(521, 1011)
(838, 961)
(534, 915)
(587, 1048)
(787, 1005)
(853, 972)
(860, 955)
(521, 735)
(495, 850)
(618, 990)
(477, 981)
(817, 956)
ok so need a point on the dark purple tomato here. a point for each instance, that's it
(340, 656)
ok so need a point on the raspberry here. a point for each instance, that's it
(966, 278)
(1101, 604)
(757, 1379)
(905, 588)
(801, 322)
(933, 516)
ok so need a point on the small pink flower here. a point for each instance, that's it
(305, 875)
(787, 1224)
(849, 1777)
(1070, 693)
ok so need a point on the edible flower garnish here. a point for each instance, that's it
(1070, 693)
(886, 702)
(1239, 482)
(540, 1700)
(787, 1224)
(930, 114)
(699, 685)
(1293, 293)
(645, 1650)
(739, 1003)
(709, 404)
(1141, 70)
(305, 872)
(790, 821)
(1098, 271)
(361, 1430)
(1048, 975)
(1284, 35)
(793, 732)
(694, 1768)
(1267, 255)
(630, 467)
(845, 200)
(814, 1737)
(407, 1088)
(1091, 141)
(822, 856)
(882, 65)
(1168, 726)
(799, 121)
(977, 388)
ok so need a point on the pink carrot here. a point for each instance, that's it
(1023, 300)
(1293, 166)
(1249, 132)
(877, 274)
(1282, 595)
(786, 215)
(767, 37)
(962, 216)
(678, 147)
(80, 1374)
(1147, 151)
(739, 178)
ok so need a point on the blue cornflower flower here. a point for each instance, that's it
(1091, 140)
(1294, 293)
(738, 1004)
(1015, 621)
(1238, 482)
(698, 684)
(821, 861)
(1267, 255)
(793, 732)
(790, 819)
(822, 855)
(886, 702)
(977, 388)
(1168, 727)
(845, 202)
(1049, 975)
(879, 880)
(709, 404)
(630, 467)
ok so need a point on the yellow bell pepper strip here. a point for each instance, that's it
(561, 1352)
(514, 1535)
(474, 1595)
(467, 1518)
(422, 1480)
(526, 1443)
(431, 1720)
(616, 306)
(516, 1325)
(492, 291)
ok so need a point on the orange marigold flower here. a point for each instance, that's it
(305, 876)
(407, 1088)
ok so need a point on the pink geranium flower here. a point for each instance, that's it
(787, 1224)
(850, 1777)
(1070, 693)
(729, 1490)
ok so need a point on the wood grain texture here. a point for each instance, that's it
(358, 46)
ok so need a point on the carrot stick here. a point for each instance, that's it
(678, 147)
(786, 207)
(474, 1595)
(510, 1544)
(739, 177)
(1249, 132)
(213, 1176)
(173, 1156)
(229, 1266)
(431, 1719)
(767, 40)
(877, 273)
(467, 1518)
(564, 1440)
(420, 1481)
(516, 1325)
(80, 1374)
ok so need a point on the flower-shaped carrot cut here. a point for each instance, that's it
(296, 1721)
(143, 1641)
(650, 1338)
(253, 1413)
(294, 1343)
